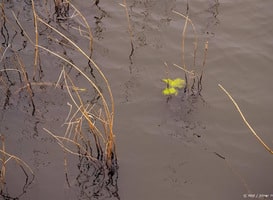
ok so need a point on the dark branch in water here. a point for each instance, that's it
(90, 66)
(4, 30)
(220, 156)
(131, 53)
(97, 2)
(188, 8)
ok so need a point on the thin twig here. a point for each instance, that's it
(244, 119)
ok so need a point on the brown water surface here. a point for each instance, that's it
(189, 147)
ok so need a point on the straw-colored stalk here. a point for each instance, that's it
(5, 158)
(193, 74)
(36, 57)
(109, 111)
(245, 121)
(26, 79)
(183, 39)
(183, 47)
(3, 167)
(110, 114)
(86, 26)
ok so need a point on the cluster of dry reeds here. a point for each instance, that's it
(193, 73)
(97, 115)
(97, 142)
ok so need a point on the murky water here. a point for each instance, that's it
(187, 147)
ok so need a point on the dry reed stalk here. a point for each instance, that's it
(5, 158)
(3, 54)
(28, 84)
(106, 119)
(50, 84)
(183, 47)
(86, 26)
(62, 140)
(3, 167)
(36, 57)
(191, 73)
(245, 121)
(81, 107)
(110, 114)
(194, 75)
(183, 38)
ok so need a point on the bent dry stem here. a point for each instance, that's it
(5, 158)
(102, 130)
(245, 121)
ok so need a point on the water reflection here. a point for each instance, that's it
(21, 170)
(213, 20)
(97, 182)
(34, 99)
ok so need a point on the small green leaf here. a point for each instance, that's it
(176, 83)
(170, 91)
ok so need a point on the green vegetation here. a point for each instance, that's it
(172, 86)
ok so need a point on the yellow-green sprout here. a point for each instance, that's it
(176, 83)
(173, 85)
(170, 91)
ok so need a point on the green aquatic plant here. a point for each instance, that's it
(172, 86)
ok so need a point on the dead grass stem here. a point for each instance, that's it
(196, 74)
(102, 134)
(245, 121)
(5, 158)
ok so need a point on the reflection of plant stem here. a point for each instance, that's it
(205, 57)
(129, 29)
(203, 65)
(244, 119)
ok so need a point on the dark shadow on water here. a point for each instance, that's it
(96, 181)
(183, 117)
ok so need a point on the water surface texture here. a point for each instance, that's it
(189, 146)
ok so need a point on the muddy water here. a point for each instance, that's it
(187, 147)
